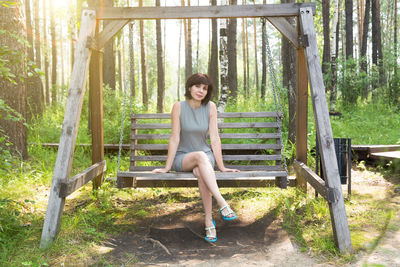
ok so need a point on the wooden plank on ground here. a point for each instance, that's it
(375, 148)
(71, 185)
(188, 12)
(324, 131)
(73, 109)
(387, 156)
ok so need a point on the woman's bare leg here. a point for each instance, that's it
(205, 173)
(206, 197)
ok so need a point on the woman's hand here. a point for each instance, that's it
(229, 170)
(163, 170)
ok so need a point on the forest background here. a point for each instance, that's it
(145, 67)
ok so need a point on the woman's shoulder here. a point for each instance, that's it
(212, 104)
(176, 107)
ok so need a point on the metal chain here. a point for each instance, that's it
(278, 105)
(121, 135)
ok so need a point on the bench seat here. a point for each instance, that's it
(251, 142)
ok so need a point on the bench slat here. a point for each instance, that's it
(220, 115)
(225, 157)
(221, 135)
(191, 182)
(224, 146)
(239, 167)
(219, 175)
(233, 125)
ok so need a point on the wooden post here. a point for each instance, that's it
(324, 131)
(96, 108)
(73, 109)
(301, 113)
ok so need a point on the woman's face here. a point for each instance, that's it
(198, 91)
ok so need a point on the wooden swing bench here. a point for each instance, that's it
(258, 159)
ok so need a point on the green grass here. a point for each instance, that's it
(91, 217)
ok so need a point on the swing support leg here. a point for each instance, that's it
(73, 109)
(324, 131)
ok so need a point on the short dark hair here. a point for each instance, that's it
(199, 78)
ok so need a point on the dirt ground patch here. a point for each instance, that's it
(178, 239)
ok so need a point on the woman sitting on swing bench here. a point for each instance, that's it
(188, 149)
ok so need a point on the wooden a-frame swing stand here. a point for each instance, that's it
(88, 58)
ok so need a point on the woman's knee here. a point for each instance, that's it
(201, 157)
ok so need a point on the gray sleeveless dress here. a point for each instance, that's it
(193, 135)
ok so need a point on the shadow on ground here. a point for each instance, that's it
(175, 238)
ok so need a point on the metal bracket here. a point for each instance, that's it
(303, 40)
(92, 44)
(333, 194)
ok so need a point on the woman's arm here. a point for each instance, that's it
(215, 139)
(174, 139)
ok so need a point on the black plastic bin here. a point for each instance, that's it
(343, 156)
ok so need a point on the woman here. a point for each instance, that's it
(188, 149)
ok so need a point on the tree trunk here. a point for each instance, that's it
(289, 80)
(131, 61)
(255, 56)
(14, 95)
(188, 45)
(143, 63)
(395, 35)
(244, 56)
(377, 56)
(120, 70)
(349, 28)
(178, 85)
(247, 61)
(53, 55)
(46, 54)
(38, 56)
(223, 59)
(198, 43)
(326, 55)
(334, 53)
(33, 83)
(364, 43)
(360, 16)
(263, 58)
(109, 56)
(213, 62)
(160, 67)
(232, 60)
(62, 55)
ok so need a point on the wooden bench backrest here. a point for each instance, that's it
(251, 141)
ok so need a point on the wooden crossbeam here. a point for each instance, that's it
(315, 181)
(324, 131)
(71, 185)
(109, 32)
(73, 109)
(286, 29)
(188, 12)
